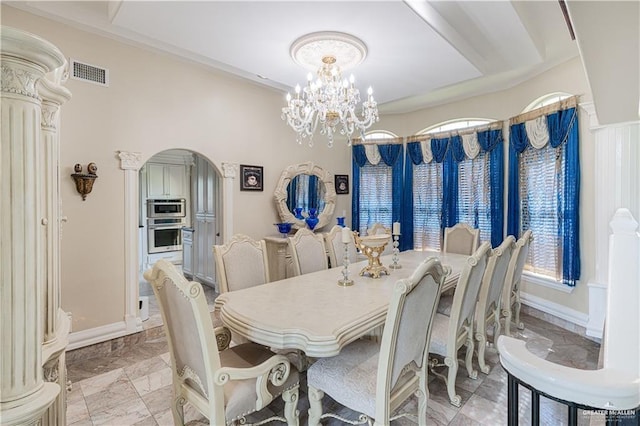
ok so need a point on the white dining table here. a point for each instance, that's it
(312, 313)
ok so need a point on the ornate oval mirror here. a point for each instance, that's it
(305, 186)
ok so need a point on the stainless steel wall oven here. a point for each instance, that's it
(165, 234)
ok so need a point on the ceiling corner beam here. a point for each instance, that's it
(440, 25)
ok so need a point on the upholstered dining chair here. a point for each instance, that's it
(511, 293)
(307, 252)
(461, 239)
(241, 263)
(488, 306)
(335, 247)
(452, 332)
(379, 229)
(375, 379)
(224, 385)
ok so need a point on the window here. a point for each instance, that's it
(470, 198)
(456, 124)
(544, 186)
(377, 178)
(540, 187)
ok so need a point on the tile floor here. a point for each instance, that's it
(131, 384)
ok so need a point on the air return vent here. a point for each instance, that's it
(89, 73)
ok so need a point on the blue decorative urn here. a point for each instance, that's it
(297, 212)
(312, 220)
(340, 221)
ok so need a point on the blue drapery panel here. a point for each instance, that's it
(518, 141)
(292, 194)
(391, 155)
(454, 155)
(413, 156)
(563, 129)
(313, 192)
(359, 159)
(492, 141)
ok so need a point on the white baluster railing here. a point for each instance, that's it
(614, 388)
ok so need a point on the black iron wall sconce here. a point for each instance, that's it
(84, 181)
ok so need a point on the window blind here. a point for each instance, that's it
(541, 190)
(427, 206)
(376, 201)
(474, 194)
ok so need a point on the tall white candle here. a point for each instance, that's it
(346, 235)
(344, 213)
(396, 228)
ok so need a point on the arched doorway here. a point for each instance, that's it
(180, 211)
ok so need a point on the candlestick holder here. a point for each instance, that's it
(345, 281)
(396, 243)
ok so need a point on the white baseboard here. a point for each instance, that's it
(555, 309)
(83, 338)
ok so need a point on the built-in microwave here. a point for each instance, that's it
(166, 208)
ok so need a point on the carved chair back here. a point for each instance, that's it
(308, 252)
(461, 239)
(241, 263)
(335, 247)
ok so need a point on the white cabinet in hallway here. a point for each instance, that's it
(205, 221)
(167, 180)
(187, 251)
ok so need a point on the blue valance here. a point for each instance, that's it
(359, 155)
(439, 149)
(457, 149)
(414, 153)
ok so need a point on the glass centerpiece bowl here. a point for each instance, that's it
(284, 228)
(372, 246)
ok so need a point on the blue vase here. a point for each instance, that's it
(298, 213)
(340, 221)
(313, 212)
(312, 221)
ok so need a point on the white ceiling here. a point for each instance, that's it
(419, 53)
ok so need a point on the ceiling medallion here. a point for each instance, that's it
(330, 101)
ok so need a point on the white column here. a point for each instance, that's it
(24, 396)
(229, 173)
(622, 340)
(130, 162)
(617, 184)
(57, 323)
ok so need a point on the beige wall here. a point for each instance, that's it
(568, 77)
(156, 102)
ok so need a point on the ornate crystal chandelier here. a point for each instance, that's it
(330, 102)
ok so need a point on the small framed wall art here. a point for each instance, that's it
(251, 178)
(342, 184)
